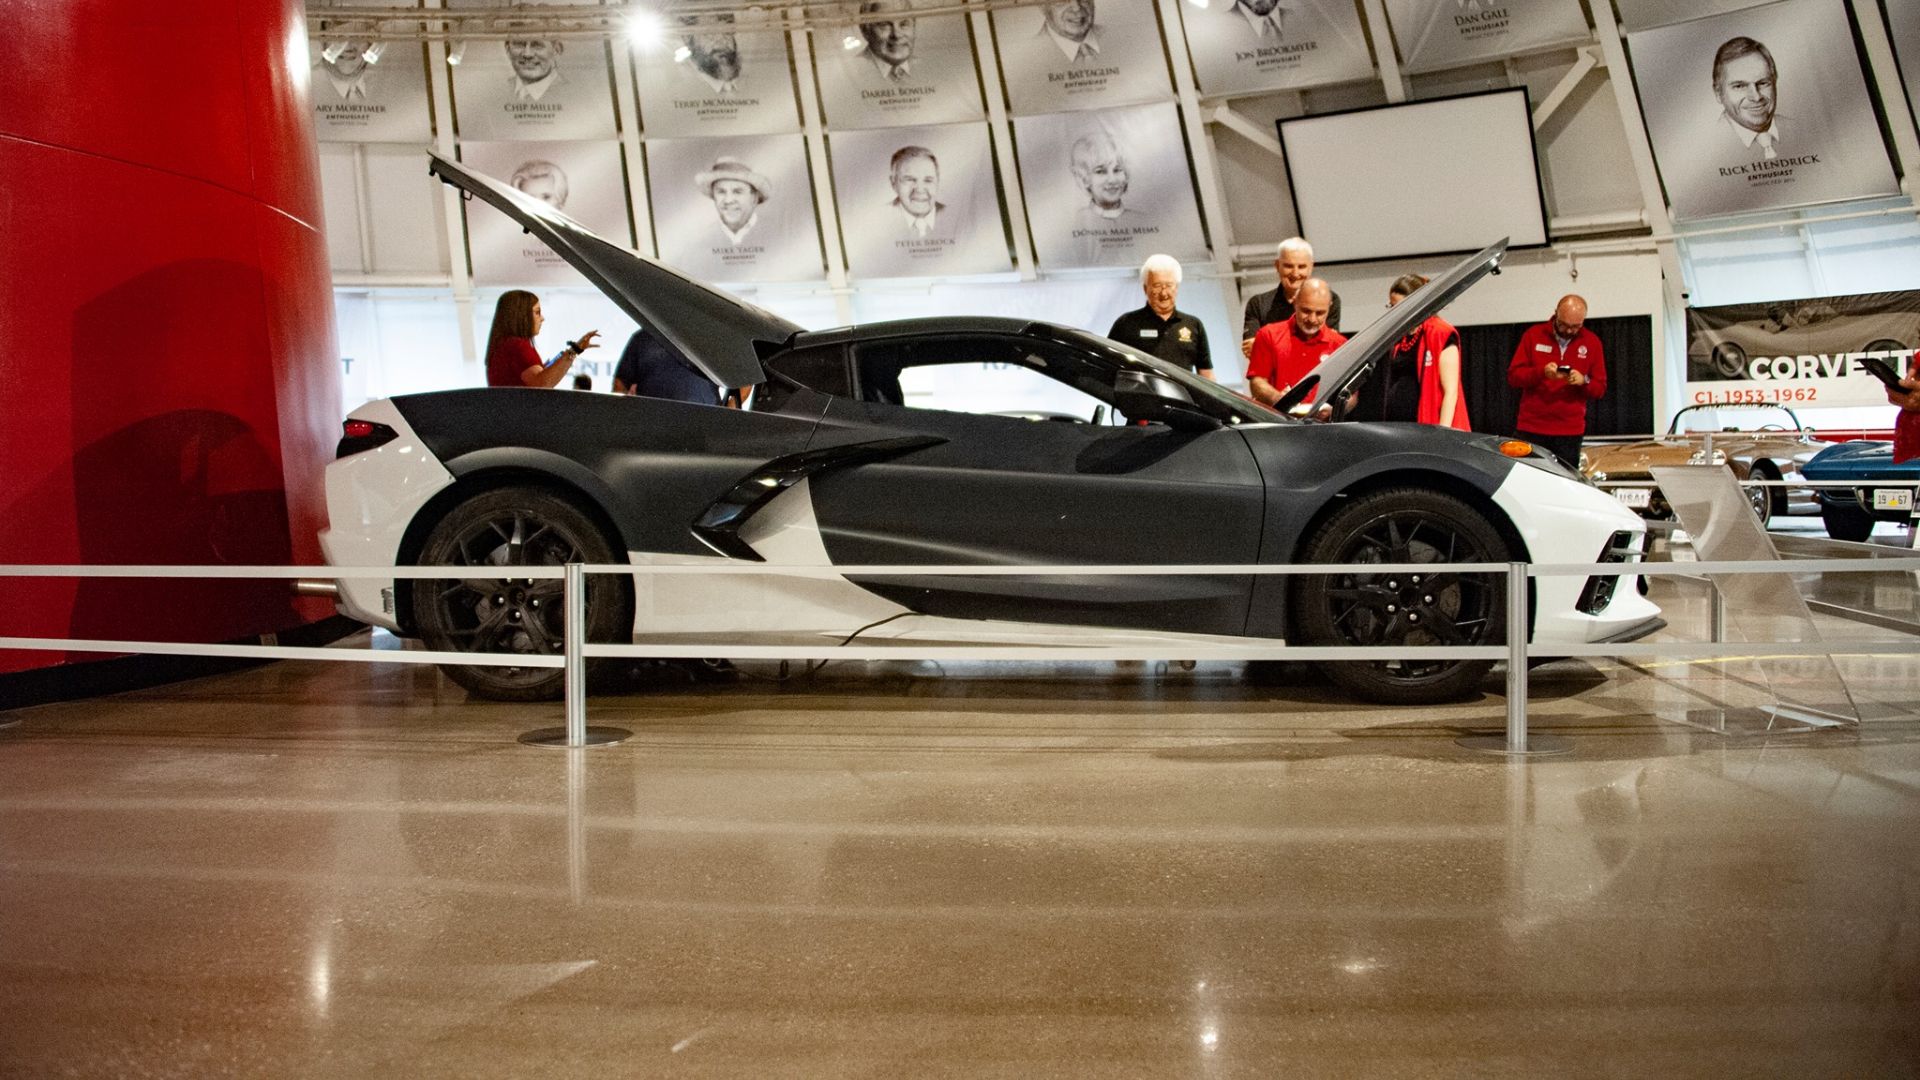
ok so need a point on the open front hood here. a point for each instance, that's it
(720, 334)
(1346, 366)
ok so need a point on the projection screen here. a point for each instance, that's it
(1436, 177)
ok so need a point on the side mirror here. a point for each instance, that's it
(1142, 395)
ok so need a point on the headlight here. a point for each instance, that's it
(1598, 477)
(1700, 458)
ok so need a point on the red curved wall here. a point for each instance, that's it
(171, 385)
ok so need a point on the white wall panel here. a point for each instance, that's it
(409, 232)
(339, 202)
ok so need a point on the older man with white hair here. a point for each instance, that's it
(1294, 265)
(1158, 328)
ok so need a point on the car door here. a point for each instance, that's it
(1008, 490)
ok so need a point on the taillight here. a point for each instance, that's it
(357, 436)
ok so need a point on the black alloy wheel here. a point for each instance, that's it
(1404, 525)
(488, 610)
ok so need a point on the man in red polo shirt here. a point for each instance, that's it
(1558, 368)
(1284, 352)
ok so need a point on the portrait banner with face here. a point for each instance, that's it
(533, 88)
(735, 209)
(1250, 45)
(365, 91)
(1437, 34)
(1760, 109)
(583, 180)
(1072, 54)
(919, 202)
(712, 77)
(1108, 188)
(893, 67)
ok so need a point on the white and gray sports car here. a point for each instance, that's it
(831, 467)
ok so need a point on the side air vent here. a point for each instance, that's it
(1599, 590)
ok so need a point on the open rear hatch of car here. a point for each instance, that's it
(1347, 366)
(722, 335)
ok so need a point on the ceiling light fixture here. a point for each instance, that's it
(456, 52)
(645, 28)
(371, 54)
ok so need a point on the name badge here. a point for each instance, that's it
(1543, 348)
(1149, 333)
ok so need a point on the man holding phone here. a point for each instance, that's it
(1558, 368)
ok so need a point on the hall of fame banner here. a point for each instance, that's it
(1074, 55)
(583, 180)
(919, 202)
(1108, 188)
(533, 88)
(365, 91)
(895, 68)
(1787, 123)
(715, 76)
(1248, 46)
(1436, 34)
(735, 209)
(1799, 352)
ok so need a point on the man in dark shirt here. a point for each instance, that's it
(1294, 265)
(1158, 329)
(650, 367)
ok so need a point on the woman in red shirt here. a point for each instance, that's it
(511, 359)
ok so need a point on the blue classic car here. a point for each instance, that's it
(1886, 491)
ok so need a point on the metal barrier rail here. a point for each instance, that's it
(1516, 652)
(1847, 484)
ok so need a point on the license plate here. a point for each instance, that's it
(1634, 498)
(1892, 499)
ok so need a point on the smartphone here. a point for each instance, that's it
(1881, 370)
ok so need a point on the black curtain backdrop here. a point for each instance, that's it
(1626, 408)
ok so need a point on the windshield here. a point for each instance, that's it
(1217, 400)
(1697, 419)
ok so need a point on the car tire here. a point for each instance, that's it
(1778, 504)
(1760, 498)
(1846, 522)
(1404, 525)
(488, 613)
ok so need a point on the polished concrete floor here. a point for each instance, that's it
(995, 870)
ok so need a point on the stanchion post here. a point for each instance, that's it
(1517, 742)
(573, 627)
(1716, 613)
(574, 622)
(1516, 658)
